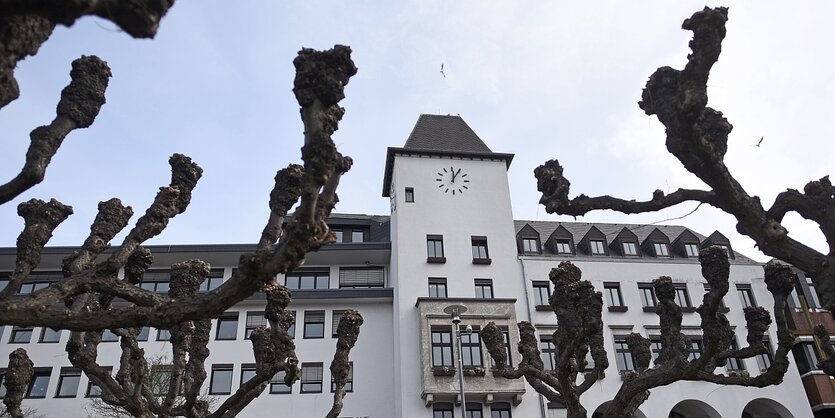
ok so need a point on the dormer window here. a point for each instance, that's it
(630, 248)
(561, 242)
(692, 250)
(527, 241)
(596, 247)
(563, 246)
(661, 249)
(719, 240)
(530, 245)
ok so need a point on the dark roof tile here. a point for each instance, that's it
(444, 133)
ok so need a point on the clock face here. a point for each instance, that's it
(452, 180)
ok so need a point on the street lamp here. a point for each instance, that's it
(455, 311)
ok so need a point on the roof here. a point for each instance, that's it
(444, 133)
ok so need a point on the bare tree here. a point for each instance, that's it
(92, 298)
(579, 330)
(698, 136)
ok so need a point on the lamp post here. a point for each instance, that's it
(455, 311)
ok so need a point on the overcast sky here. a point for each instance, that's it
(541, 80)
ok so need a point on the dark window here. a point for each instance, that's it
(156, 281)
(746, 295)
(541, 293)
(661, 249)
(227, 326)
(696, 349)
(812, 300)
(254, 320)
(38, 280)
(682, 297)
(480, 248)
(764, 360)
(311, 378)
(109, 336)
(548, 352)
(630, 248)
(806, 356)
(291, 331)
(726, 248)
(410, 194)
(93, 390)
(442, 410)
(356, 234)
(613, 296)
(49, 335)
(277, 384)
(734, 363)
(441, 348)
(307, 279)
(337, 316)
(473, 410)
(349, 382)
(623, 356)
(509, 353)
(597, 247)
(563, 246)
(471, 349)
(500, 410)
(38, 384)
(437, 287)
(484, 288)
(221, 383)
(68, 382)
(314, 324)
(161, 375)
(647, 294)
(692, 250)
(434, 246)
(21, 335)
(163, 335)
(530, 245)
(213, 280)
(655, 348)
(247, 372)
(361, 277)
(143, 334)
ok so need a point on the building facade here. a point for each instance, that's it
(450, 240)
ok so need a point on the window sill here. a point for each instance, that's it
(443, 371)
(688, 309)
(618, 308)
(544, 308)
(474, 371)
(436, 260)
(649, 309)
(482, 261)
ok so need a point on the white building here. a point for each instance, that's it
(450, 239)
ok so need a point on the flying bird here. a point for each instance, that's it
(442, 70)
(761, 141)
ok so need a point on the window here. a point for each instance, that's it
(68, 382)
(563, 246)
(435, 248)
(161, 375)
(307, 279)
(247, 372)
(596, 247)
(254, 320)
(500, 410)
(473, 410)
(410, 194)
(484, 288)
(629, 248)
(655, 347)
(221, 383)
(38, 384)
(806, 356)
(38, 280)
(340, 237)
(480, 248)
(49, 335)
(93, 390)
(541, 293)
(357, 236)
(291, 331)
(311, 378)
(442, 410)
(613, 296)
(734, 364)
(557, 410)
(437, 287)
(661, 249)
(227, 326)
(682, 297)
(337, 316)
(361, 277)
(277, 384)
(647, 295)
(812, 299)
(623, 356)
(108, 336)
(548, 352)
(345, 235)
(349, 382)
(441, 348)
(471, 350)
(695, 349)
(156, 281)
(692, 250)
(21, 335)
(163, 335)
(213, 281)
(707, 290)
(746, 295)
(530, 245)
(314, 324)
(509, 353)
(764, 360)
(143, 334)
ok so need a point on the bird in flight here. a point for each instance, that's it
(442, 70)
(761, 141)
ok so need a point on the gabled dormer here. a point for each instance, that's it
(528, 242)
(561, 242)
(657, 244)
(626, 244)
(717, 238)
(686, 244)
(594, 243)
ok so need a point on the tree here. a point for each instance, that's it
(91, 298)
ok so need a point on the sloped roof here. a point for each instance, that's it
(444, 133)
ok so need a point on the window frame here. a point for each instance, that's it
(663, 247)
(608, 288)
(314, 374)
(254, 320)
(442, 410)
(597, 247)
(56, 333)
(500, 410)
(21, 330)
(744, 291)
(691, 250)
(277, 381)
(643, 288)
(41, 373)
(213, 280)
(530, 245)
(480, 250)
(435, 285)
(321, 279)
(247, 369)
(163, 334)
(366, 282)
(482, 286)
(444, 347)
(221, 368)
(63, 375)
(470, 346)
(349, 382)
(629, 248)
(622, 354)
(681, 291)
(563, 246)
(311, 319)
(409, 195)
(435, 248)
(224, 319)
(547, 352)
(538, 285)
(335, 318)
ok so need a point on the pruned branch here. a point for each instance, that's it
(16, 380)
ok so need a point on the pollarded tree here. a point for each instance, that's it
(580, 330)
(697, 136)
(92, 298)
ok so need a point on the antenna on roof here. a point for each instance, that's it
(672, 219)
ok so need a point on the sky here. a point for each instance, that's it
(541, 80)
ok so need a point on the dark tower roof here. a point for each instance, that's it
(444, 133)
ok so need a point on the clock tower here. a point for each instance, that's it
(453, 242)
